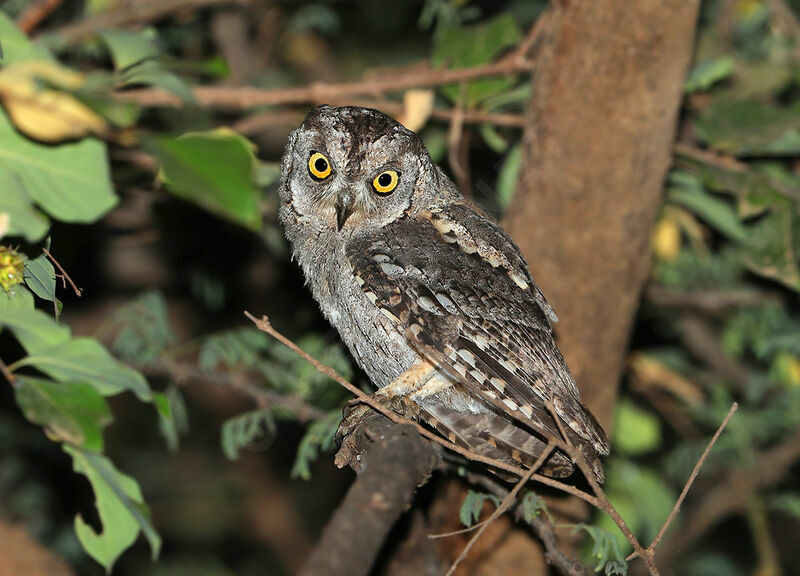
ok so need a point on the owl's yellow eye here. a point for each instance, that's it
(385, 182)
(319, 166)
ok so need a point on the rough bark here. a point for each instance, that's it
(601, 123)
(391, 461)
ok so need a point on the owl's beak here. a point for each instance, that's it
(344, 208)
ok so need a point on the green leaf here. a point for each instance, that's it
(787, 502)
(40, 276)
(123, 513)
(34, 329)
(85, 360)
(605, 550)
(687, 191)
(507, 179)
(70, 182)
(244, 429)
(16, 46)
(318, 437)
(748, 128)
(153, 73)
(17, 297)
(707, 73)
(532, 505)
(173, 419)
(141, 329)
(240, 347)
(129, 48)
(214, 169)
(471, 507)
(71, 412)
(773, 247)
(24, 219)
(462, 46)
(637, 431)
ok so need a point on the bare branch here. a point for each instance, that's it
(500, 510)
(36, 14)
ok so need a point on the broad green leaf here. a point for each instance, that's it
(153, 73)
(773, 246)
(707, 73)
(85, 360)
(34, 329)
(687, 191)
(70, 182)
(128, 48)
(16, 46)
(24, 219)
(748, 128)
(123, 513)
(788, 502)
(636, 430)
(214, 169)
(532, 505)
(462, 46)
(17, 297)
(141, 329)
(71, 412)
(40, 276)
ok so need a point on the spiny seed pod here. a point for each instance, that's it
(12, 267)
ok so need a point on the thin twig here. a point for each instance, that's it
(652, 548)
(9, 375)
(36, 14)
(125, 14)
(500, 510)
(64, 276)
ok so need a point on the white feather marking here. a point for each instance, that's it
(390, 316)
(427, 304)
(510, 403)
(498, 383)
(467, 356)
(445, 301)
(519, 280)
(478, 375)
(380, 258)
(392, 270)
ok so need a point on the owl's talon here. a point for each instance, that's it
(355, 412)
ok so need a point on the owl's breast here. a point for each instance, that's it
(374, 340)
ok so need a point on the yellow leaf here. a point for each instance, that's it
(43, 113)
(417, 108)
(666, 239)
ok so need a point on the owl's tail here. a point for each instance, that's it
(494, 436)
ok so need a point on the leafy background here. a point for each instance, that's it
(147, 419)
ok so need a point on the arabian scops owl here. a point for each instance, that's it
(431, 296)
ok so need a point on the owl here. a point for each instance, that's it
(431, 296)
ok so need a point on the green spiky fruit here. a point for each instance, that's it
(12, 267)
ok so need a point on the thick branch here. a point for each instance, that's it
(393, 461)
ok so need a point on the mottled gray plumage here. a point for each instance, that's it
(431, 296)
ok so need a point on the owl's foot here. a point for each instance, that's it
(355, 412)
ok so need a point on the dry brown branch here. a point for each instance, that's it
(710, 301)
(128, 14)
(185, 373)
(695, 471)
(500, 510)
(392, 462)
(36, 14)
(243, 97)
(272, 119)
(541, 525)
(64, 276)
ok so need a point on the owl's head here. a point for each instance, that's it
(350, 168)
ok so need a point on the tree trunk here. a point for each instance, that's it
(601, 123)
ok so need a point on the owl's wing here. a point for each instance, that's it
(458, 287)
